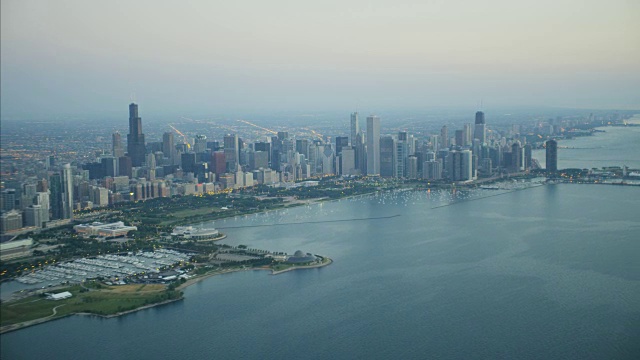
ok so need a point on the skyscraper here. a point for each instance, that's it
(33, 215)
(302, 147)
(67, 192)
(480, 132)
(387, 156)
(231, 152)
(348, 161)
(135, 139)
(168, 146)
(116, 145)
(516, 156)
(355, 128)
(459, 165)
(361, 154)
(373, 145)
(55, 201)
(42, 199)
(412, 167)
(188, 162)
(466, 135)
(444, 136)
(200, 144)
(459, 136)
(432, 170)
(218, 163)
(109, 166)
(124, 166)
(527, 157)
(401, 154)
(341, 142)
(266, 147)
(552, 156)
(8, 199)
(434, 140)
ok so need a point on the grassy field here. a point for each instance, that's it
(107, 300)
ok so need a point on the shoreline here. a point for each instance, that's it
(195, 280)
(26, 324)
(199, 278)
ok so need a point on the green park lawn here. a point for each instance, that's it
(105, 301)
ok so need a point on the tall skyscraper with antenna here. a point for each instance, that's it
(135, 140)
(480, 132)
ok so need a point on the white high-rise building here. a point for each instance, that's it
(466, 135)
(348, 161)
(373, 145)
(67, 192)
(435, 143)
(239, 179)
(100, 196)
(401, 155)
(328, 160)
(42, 199)
(248, 179)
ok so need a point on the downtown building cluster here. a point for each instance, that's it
(178, 166)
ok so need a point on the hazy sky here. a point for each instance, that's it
(87, 57)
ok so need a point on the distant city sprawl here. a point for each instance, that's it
(56, 169)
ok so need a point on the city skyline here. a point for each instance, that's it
(334, 56)
(201, 165)
(423, 179)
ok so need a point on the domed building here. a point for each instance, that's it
(300, 257)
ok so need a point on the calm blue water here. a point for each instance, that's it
(617, 146)
(548, 272)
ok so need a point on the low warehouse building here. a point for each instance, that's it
(59, 296)
(100, 229)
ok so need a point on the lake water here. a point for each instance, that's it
(547, 272)
(550, 272)
(617, 146)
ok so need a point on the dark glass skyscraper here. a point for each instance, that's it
(168, 146)
(552, 156)
(61, 199)
(341, 142)
(135, 140)
(387, 156)
(480, 128)
(55, 199)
